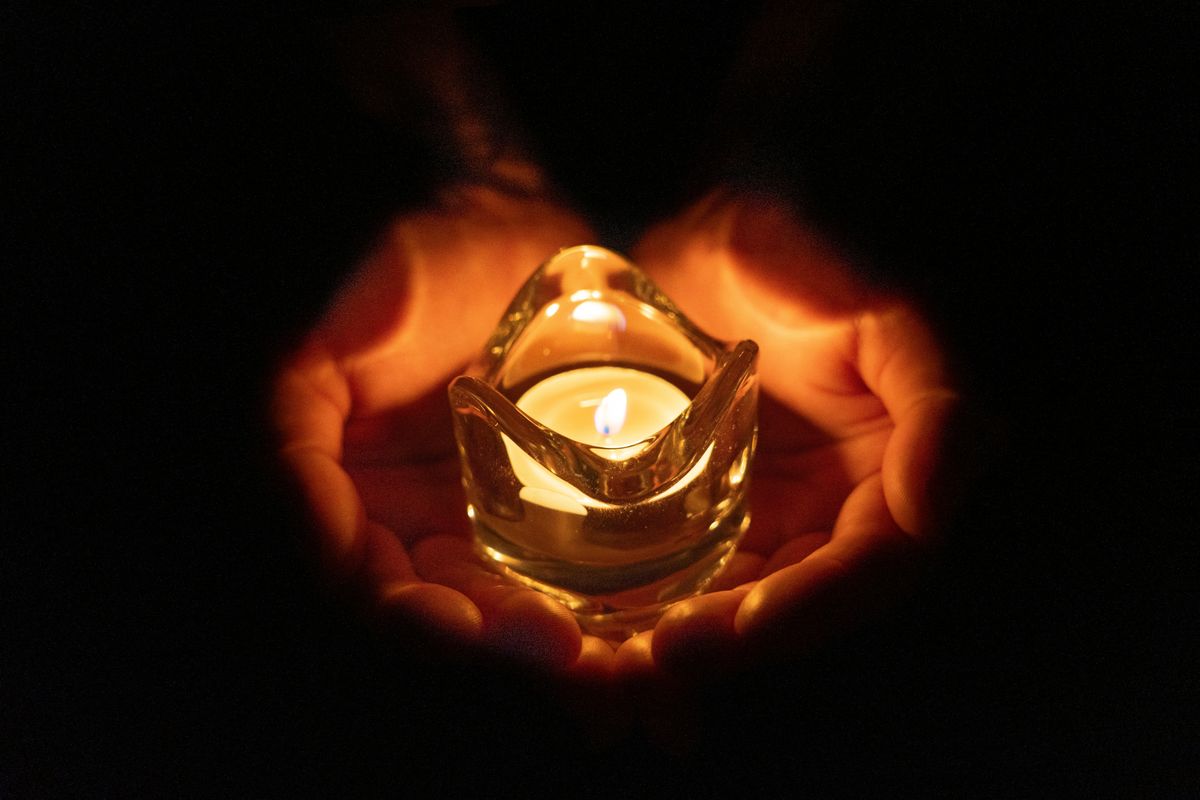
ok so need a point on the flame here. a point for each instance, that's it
(610, 414)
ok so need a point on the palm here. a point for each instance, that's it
(822, 430)
(409, 321)
(361, 407)
(853, 415)
(853, 409)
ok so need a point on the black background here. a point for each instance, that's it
(185, 190)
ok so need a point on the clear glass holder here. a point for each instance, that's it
(616, 513)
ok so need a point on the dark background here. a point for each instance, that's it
(185, 190)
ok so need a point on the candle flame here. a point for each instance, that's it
(610, 414)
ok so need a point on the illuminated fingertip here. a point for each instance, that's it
(433, 609)
(595, 660)
(534, 629)
(697, 638)
(635, 656)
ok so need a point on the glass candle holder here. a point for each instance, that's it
(606, 443)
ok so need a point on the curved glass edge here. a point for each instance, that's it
(542, 288)
(726, 401)
(483, 416)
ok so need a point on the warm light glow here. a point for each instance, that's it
(559, 501)
(589, 474)
(597, 311)
(610, 414)
(568, 403)
(580, 295)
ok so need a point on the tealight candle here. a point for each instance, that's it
(613, 408)
(605, 443)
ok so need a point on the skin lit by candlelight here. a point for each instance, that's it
(610, 414)
(854, 376)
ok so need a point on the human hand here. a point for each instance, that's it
(863, 448)
(849, 488)
(364, 430)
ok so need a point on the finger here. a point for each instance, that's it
(535, 629)
(407, 606)
(309, 405)
(595, 662)
(634, 659)
(795, 550)
(930, 450)
(459, 569)
(310, 402)
(432, 612)
(333, 507)
(387, 561)
(867, 564)
(696, 639)
(450, 561)
(936, 455)
(399, 322)
(518, 623)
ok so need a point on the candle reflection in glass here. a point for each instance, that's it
(605, 443)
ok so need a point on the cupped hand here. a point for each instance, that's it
(861, 453)
(364, 427)
(863, 447)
